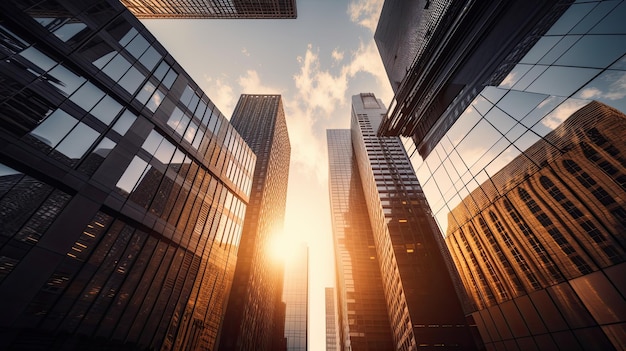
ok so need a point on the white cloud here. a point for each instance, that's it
(561, 113)
(251, 84)
(221, 94)
(245, 52)
(365, 12)
(337, 55)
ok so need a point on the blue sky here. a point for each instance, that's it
(316, 62)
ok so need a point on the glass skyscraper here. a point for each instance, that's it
(251, 315)
(420, 298)
(522, 162)
(296, 298)
(212, 8)
(331, 320)
(123, 188)
(363, 323)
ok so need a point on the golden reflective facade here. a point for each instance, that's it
(515, 123)
(551, 237)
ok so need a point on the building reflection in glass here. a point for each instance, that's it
(523, 169)
(555, 226)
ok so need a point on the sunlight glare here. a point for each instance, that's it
(281, 247)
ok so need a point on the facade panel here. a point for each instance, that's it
(123, 188)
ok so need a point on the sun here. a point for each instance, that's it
(281, 247)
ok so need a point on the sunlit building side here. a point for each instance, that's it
(212, 8)
(296, 298)
(123, 189)
(363, 323)
(522, 164)
(251, 316)
(331, 320)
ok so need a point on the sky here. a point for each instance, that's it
(316, 62)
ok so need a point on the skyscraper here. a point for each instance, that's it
(251, 312)
(296, 298)
(212, 8)
(363, 323)
(521, 168)
(420, 297)
(331, 321)
(123, 188)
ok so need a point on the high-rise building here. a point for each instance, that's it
(258, 281)
(123, 188)
(212, 8)
(363, 323)
(516, 120)
(421, 300)
(296, 298)
(331, 321)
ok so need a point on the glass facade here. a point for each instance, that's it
(251, 315)
(212, 8)
(421, 300)
(363, 323)
(296, 298)
(331, 321)
(122, 188)
(528, 183)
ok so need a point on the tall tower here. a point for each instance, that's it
(250, 317)
(122, 187)
(363, 323)
(421, 300)
(515, 113)
(212, 8)
(296, 298)
(331, 321)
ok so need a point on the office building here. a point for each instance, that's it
(123, 189)
(422, 304)
(212, 8)
(331, 321)
(363, 323)
(296, 299)
(516, 121)
(250, 316)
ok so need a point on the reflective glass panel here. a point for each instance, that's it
(124, 122)
(155, 101)
(116, 68)
(65, 80)
(150, 58)
(78, 141)
(132, 174)
(131, 80)
(69, 30)
(38, 58)
(54, 128)
(106, 110)
(87, 96)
